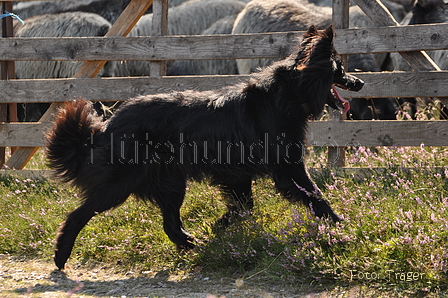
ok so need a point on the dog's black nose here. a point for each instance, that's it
(358, 85)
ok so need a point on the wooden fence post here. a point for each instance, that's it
(159, 28)
(336, 155)
(4, 76)
(7, 72)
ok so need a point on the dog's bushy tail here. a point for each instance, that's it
(68, 143)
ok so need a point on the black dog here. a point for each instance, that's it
(154, 144)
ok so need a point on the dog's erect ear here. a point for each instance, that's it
(329, 32)
(311, 31)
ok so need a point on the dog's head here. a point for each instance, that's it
(319, 66)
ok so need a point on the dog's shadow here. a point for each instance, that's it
(160, 284)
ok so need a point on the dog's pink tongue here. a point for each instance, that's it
(344, 102)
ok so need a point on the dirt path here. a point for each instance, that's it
(36, 278)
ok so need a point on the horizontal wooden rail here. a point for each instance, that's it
(392, 39)
(149, 48)
(110, 89)
(378, 133)
(260, 45)
(29, 134)
(402, 84)
(385, 84)
(320, 133)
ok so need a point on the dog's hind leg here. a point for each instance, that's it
(78, 218)
(239, 199)
(295, 184)
(68, 232)
(169, 195)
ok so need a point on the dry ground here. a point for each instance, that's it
(37, 278)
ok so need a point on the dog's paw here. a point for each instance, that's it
(189, 244)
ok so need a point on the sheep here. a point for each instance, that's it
(189, 18)
(69, 24)
(208, 67)
(109, 9)
(277, 16)
(173, 3)
(290, 15)
(397, 8)
(285, 15)
(407, 4)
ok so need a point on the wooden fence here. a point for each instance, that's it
(427, 81)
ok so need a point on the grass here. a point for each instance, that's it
(394, 233)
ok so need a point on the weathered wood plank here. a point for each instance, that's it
(7, 112)
(320, 133)
(387, 84)
(110, 89)
(340, 20)
(402, 38)
(150, 48)
(274, 45)
(3, 118)
(378, 133)
(20, 158)
(27, 134)
(402, 84)
(159, 28)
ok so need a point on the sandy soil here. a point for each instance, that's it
(37, 278)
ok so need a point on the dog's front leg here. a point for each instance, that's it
(239, 199)
(294, 182)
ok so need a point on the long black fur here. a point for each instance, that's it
(154, 144)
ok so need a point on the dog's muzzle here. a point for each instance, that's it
(353, 83)
(357, 85)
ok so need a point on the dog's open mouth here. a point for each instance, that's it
(341, 103)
